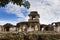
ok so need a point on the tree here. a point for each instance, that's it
(26, 4)
(7, 26)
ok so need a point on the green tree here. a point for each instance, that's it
(26, 4)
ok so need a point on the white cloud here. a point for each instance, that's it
(49, 10)
(15, 9)
(2, 22)
(18, 11)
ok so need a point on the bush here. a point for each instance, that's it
(33, 36)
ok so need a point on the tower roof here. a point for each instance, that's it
(34, 14)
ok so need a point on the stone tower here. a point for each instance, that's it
(34, 20)
(34, 16)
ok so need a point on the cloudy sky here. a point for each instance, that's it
(49, 11)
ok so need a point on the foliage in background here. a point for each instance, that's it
(26, 4)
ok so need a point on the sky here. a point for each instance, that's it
(49, 11)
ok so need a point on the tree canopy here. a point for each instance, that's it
(26, 4)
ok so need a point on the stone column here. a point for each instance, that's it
(39, 27)
(20, 28)
(36, 28)
(42, 29)
(55, 28)
(30, 17)
(3, 29)
(37, 17)
(16, 28)
(0, 29)
(24, 27)
(58, 29)
(29, 29)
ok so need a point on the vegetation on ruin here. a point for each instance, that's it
(31, 36)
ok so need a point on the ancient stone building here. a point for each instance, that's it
(8, 28)
(44, 27)
(1, 28)
(32, 24)
(56, 26)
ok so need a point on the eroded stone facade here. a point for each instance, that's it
(32, 24)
